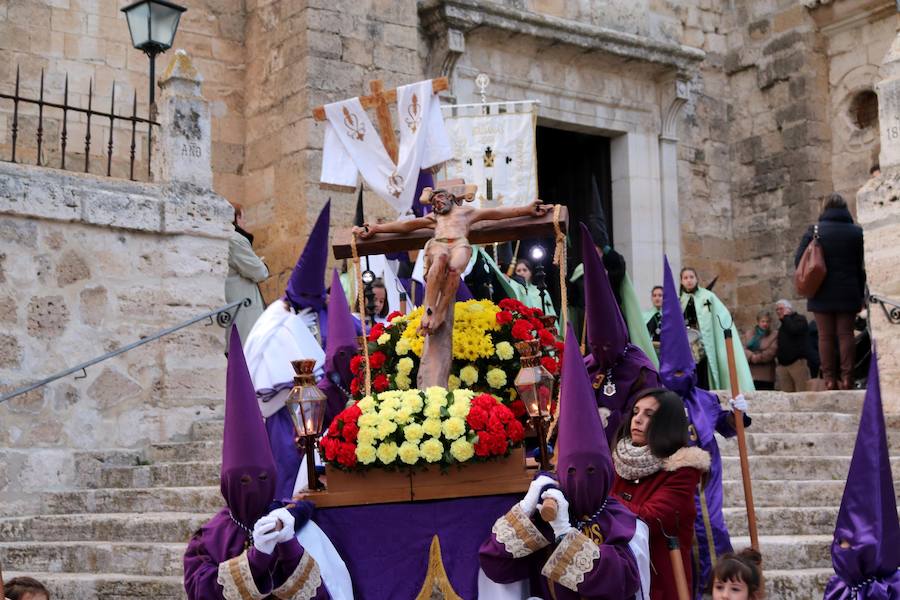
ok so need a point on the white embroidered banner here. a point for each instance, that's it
(495, 150)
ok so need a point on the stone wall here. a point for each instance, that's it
(89, 40)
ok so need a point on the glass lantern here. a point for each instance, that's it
(534, 385)
(306, 404)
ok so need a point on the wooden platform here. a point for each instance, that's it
(483, 232)
(505, 476)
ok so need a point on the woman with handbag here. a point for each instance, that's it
(839, 297)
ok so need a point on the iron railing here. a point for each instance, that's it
(221, 316)
(890, 307)
(66, 108)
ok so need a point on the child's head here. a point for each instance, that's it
(738, 576)
(25, 588)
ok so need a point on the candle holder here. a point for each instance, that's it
(534, 385)
(306, 404)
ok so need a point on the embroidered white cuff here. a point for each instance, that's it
(572, 560)
(519, 536)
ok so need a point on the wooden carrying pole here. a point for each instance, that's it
(742, 443)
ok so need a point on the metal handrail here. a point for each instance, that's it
(223, 318)
(893, 313)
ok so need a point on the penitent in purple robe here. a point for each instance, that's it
(593, 561)
(618, 369)
(220, 561)
(342, 346)
(706, 416)
(867, 568)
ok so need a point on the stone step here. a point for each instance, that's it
(791, 552)
(784, 520)
(798, 584)
(836, 402)
(173, 452)
(789, 493)
(108, 586)
(803, 444)
(796, 468)
(813, 422)
(208, 430)
(95, 557)
(121, 500)
(174, 527)
(182, 474)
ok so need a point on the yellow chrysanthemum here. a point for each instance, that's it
(432, 410)
(453, 382)
(413, 432)
(387, 453)
(404, 415)
(468, 375)
(453, 427)
(383, 339)
(437, 395)
(409, 452)
(496, 378)
(463, 395)
(413, 400)
(432, 450)
(462, 450)
(365, 454)
(368, 419)
(366, 435)
(402, 348)
(505, 351)
(367, 404)
(460, 408)
(386, 428)
(432, 427)
(402, 382)
(404, 366)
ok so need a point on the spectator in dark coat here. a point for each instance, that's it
(760, 347)
(840, 297)
(792, 372)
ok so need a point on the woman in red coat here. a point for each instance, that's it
(656, 477)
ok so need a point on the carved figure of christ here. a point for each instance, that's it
(448, 251)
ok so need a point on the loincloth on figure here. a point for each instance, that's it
(448, 245)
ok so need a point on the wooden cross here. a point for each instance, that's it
(483, 232)
(381, 99)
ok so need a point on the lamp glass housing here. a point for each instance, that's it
(308, 398)
(533, 382)
(152, 24)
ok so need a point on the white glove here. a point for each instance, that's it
(308, 317)
(264, 535)
(287, 520)
(560, 524)
(739, 403)
(530, 501)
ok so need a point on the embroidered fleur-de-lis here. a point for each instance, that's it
(354, 127)
(395, 184)
(414, 112)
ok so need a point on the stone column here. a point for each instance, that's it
(184, 135)
(675, 94)
(878, 210)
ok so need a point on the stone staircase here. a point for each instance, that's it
(122, 536)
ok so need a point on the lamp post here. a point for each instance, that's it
(152, 24)
(306, 403)
(540, 280)
(534, 384)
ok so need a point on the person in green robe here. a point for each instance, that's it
(704, 312)
(520, 288)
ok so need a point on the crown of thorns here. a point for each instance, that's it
(456, 192)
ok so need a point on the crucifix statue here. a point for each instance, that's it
(446, 254)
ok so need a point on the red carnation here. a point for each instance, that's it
(376, 332)
(484, 401)
(536, 323)
(394, 315)
(352, 413)
(503, 413)
(328, 445)
(516, 431)
(521, 330)
(499, 445)
(381, 382)
(513, 305)
(477, 418)
(504, 317)
(560, 347)
(550, 364)
(518, 408)
(546, 337)
(356, 364)
(354, 386)
(333, 428)
(349, 431)
(346, 454)
(537, 312)
(376, 359)
(484, 443)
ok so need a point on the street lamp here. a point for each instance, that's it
(540, 280)
(152, 24)
(534, 385)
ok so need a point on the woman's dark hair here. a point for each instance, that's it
(526, 262)
(668, 429)
(656, 287)
(834, 200)
(764, 313)
(17, 587)
(745, 566)
(696, 276)
(379, 283)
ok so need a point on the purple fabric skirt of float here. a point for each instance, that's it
(386, 546)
